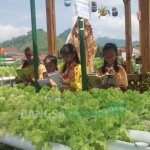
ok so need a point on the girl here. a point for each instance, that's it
(71, 70)
(29, 64)
(111, 66)
(50, 62)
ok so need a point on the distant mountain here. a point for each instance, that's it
(21, 42)
(65, 34)
(101, 40)
(119, 42)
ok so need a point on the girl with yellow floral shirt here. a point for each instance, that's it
(71, 70)
(111, 66)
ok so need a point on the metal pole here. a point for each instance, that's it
(34, 39)
(82, 53)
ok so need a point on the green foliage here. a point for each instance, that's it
(99, 52)
(20, 115)
(6, 71)
(134, 67)
(98, 64)
(103, 11)
(21, 86)
(29, 89)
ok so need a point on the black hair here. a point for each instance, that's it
(25, 64)
(52, 58)
(28, 49)
(69, 49)
(108, 47)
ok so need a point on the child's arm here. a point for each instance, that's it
(41, 71)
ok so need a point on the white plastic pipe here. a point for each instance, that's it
(120, 145)
(23, 144)
(3, 79)
(139, 136)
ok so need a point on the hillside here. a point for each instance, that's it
(119, 42)
(65, 34)
(21, 42)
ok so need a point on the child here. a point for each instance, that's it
(50, 62)
(71, 70)
(111, 67)
(29, 64)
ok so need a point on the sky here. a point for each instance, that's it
(15, 18)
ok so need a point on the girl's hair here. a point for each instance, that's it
(53, 59)
(26, 64)
(108, 47)
(28, 49)
(69, 49)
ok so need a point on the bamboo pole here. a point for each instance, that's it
(128, 34)
(51, 27)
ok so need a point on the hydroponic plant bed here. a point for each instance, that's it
(79, 120)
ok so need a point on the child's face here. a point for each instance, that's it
(68, 58)
(29, 57)
(49, 65)
(110, 57)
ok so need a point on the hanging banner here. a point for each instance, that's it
(90, 43)
(82, 8)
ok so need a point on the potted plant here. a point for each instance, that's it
(103, 11)
(67, 2)
(114, 11)
(94, 6)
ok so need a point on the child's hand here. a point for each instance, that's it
(45, 75)
(66, 82)
(106, 73)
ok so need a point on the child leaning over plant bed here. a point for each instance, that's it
(50, 62)
(71, 70)
(110, 54)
